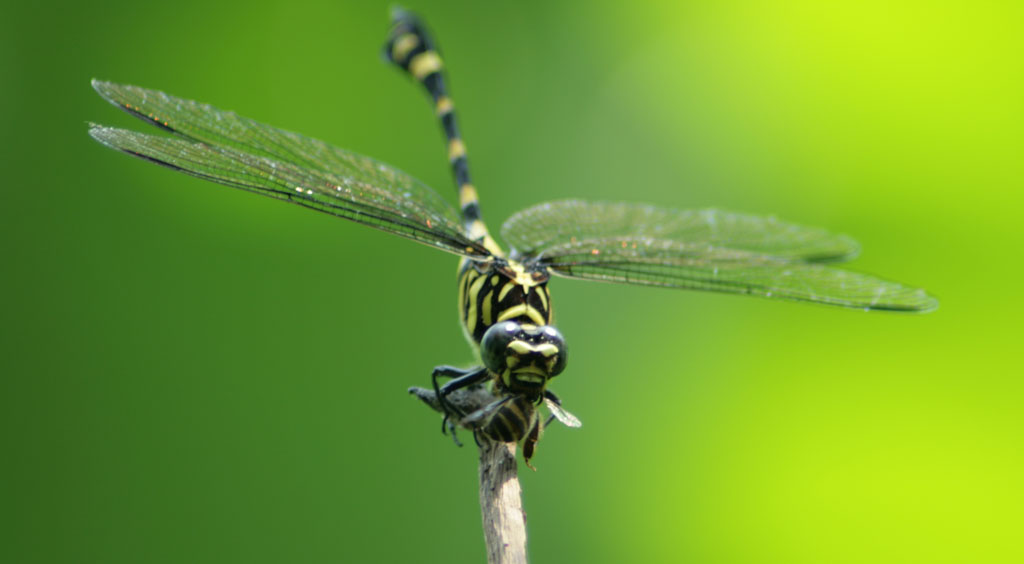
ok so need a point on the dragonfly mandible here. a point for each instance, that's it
(503, 297)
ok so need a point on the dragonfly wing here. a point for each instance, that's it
(701, 250)
(224, 147)
(555, 223)
(337, 195)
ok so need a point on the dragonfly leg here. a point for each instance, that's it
(461, 379)
(530, 444)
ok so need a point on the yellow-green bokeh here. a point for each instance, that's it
(194, 374)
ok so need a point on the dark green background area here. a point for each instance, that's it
(195, 374)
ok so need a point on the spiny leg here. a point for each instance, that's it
(461, 379)
(530, 443)
(411, 48)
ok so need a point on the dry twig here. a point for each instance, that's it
(501, 501)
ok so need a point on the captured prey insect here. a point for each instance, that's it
(503, 299)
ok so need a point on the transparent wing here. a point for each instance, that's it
(229, 149)
(545, 225)
(563, 416)
(701, 250)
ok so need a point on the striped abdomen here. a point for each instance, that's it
(511, 419)
(411, 48)
(495, 291)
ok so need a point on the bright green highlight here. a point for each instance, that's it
(194, 374)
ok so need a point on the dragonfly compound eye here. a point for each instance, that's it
(525, 355)
(494, 345)
(555, 342)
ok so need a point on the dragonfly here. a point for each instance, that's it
(504, 302)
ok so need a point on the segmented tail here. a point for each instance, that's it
(410, 47)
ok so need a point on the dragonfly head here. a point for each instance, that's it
(526, 356)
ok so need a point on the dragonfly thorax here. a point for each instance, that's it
(498, 290)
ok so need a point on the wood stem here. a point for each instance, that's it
(501, 499)
(501, 504)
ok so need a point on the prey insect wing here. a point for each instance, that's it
(563, 416)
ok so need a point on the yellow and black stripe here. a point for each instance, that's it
(499, 290)
(491, 290)
(513, 420)
(410, 47)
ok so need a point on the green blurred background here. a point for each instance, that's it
(194, 374)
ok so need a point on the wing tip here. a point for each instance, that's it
(100, 132)
(853, 248)
(842, 248)
(929, 303)
(108, 91)
(111, 137)
(919, 303)
(104, 88)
